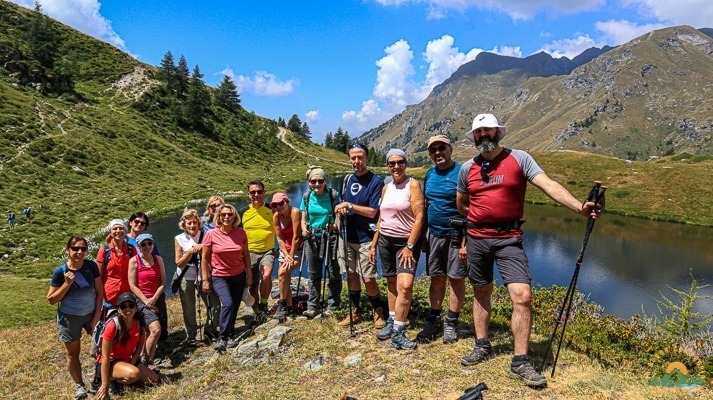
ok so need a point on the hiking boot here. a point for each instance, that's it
(79, 391)
(355, 315)
(220, 346)
(327, 312)
(281, 311)
(232, 343)
(450, 330)
(400, 341)
(524, 370)
(433, 329)
(310, 313)
(378, 318)
(478, 355)
(387, 330)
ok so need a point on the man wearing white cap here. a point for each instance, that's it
(491, 193)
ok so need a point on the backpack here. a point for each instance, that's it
(26, 211)
(107, 253)
(332, 195)
(10, 215)
(112, 315)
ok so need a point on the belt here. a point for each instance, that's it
(499, 226)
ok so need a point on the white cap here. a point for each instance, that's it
(485, 121)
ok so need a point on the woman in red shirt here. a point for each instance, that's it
(122, 363)
(287, 221)
(225, 255)
(147, 278)
(113, 262)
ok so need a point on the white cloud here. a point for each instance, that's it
(617, 32)
(569, 48)
(82, 15)
(393, 78)
(697, 13)
(516, 9)
(510, 51)
(262, 83)
(443, 59)
(312, 116)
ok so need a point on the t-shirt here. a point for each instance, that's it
(227, 251)
(116, 273)
(502, 197)
(362, 190)
(121, 352)
(319, 212)
(80, 299)
(440, 193)
(257, 223)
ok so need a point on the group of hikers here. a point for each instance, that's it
(27, 212)
(464, 218)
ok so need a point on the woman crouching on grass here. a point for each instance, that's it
(287, 222)
(77, 286)
(147, 279)
(119, 358)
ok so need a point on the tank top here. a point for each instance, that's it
(397, 218)
(287, 232)
(148, 277)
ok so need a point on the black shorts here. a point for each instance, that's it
(507, 253)
(389, 250)
(444, 259)
(149, 316)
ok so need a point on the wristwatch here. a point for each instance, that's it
(409, 246)
(350, 206)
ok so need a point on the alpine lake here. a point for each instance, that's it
(629, 263)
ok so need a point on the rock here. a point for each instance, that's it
(380, 379)
(267, 326)
(279, 332)
(246, 349)
(314, 365)
(353, 360)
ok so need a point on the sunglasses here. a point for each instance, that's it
(392, 164)
(124, 306)
(78, 248)
(317, 181)
(146, 243)
(138, 222)
(256, 192)
(280, 204)
(440, 148)
(226, 215)
(360, 146)
(214, 206)
(484, 168)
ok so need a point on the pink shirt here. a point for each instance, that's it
(397, 217)
(227, 251)
(148, 277)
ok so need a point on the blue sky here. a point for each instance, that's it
(355, 64)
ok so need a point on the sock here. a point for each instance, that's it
(263, 301)
(453, 314)
(520, 359)
(375, 301)
(399, 324)
(354, 296)
(435, 314)
(392, 314)
(483, 342)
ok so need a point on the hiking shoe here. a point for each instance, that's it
(79, 391)
(477, 356)
(387, 330)
(232, 343)
(220, 346)
(450, 330)
(527, 373)
(355, 315)
(310, 313)
(400, 341)
(281, 311)
(433, 329)
(378, 318)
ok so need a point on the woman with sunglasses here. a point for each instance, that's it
(138, 223)
(113, 262)
(209, 215)
(317, 223)
(398, 239)
(289, 240)
(119, 357)
(76, 285)
(224, 268)
(147, 279)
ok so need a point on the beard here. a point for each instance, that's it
(488, 145)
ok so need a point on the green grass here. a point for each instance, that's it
(24, 301)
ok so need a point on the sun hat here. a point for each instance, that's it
(115, 221)
(438, 138)
(396, 152)
(126, 296)
(278, 198)
(485, 121)
(142, 237)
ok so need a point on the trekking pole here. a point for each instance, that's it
(346, 263)
(596, 195)
(198, 301)
(299, 278)
(326, 262)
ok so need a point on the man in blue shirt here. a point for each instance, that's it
(362, 192)
(443, 260)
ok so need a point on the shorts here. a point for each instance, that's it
(297, 258)
(358, 260)
(444, 259)
(257, 262)
(149, 316)
(70, 326)
(507, 253)
(389, 250)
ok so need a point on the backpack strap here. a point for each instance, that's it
(305, 197)
(107, 254)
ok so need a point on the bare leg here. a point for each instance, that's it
(73, 365)
(521, 322)
(457, 294)
(437, 291)
(404, 288)
(266, 284)
(481, 310)
(372, 288)
(284, 277)
(152, 340)
(393, 292)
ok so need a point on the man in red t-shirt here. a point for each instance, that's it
(491, 193)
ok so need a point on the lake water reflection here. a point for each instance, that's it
(627, 263)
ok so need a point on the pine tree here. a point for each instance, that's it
(182, 77)
(226, 95)
(294, 124)
(167, 72)
(328, 140)
(281, 122)
(197, 109)
(42, 38)
(305, 131)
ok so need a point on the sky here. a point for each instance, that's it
(356, 63)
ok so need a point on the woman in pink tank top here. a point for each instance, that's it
(401, 219)
(147, 279)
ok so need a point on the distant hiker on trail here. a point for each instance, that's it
(147, 279)
(225, 268)
(113, 262)
(119, 358)
(444, 263)
(319, 231)
(287, 221)
(11, 219)
(359, 208)
(491, 193)
(28, 213)
(399, 241)
(257, 222)
(77, 287)
(213, 203)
